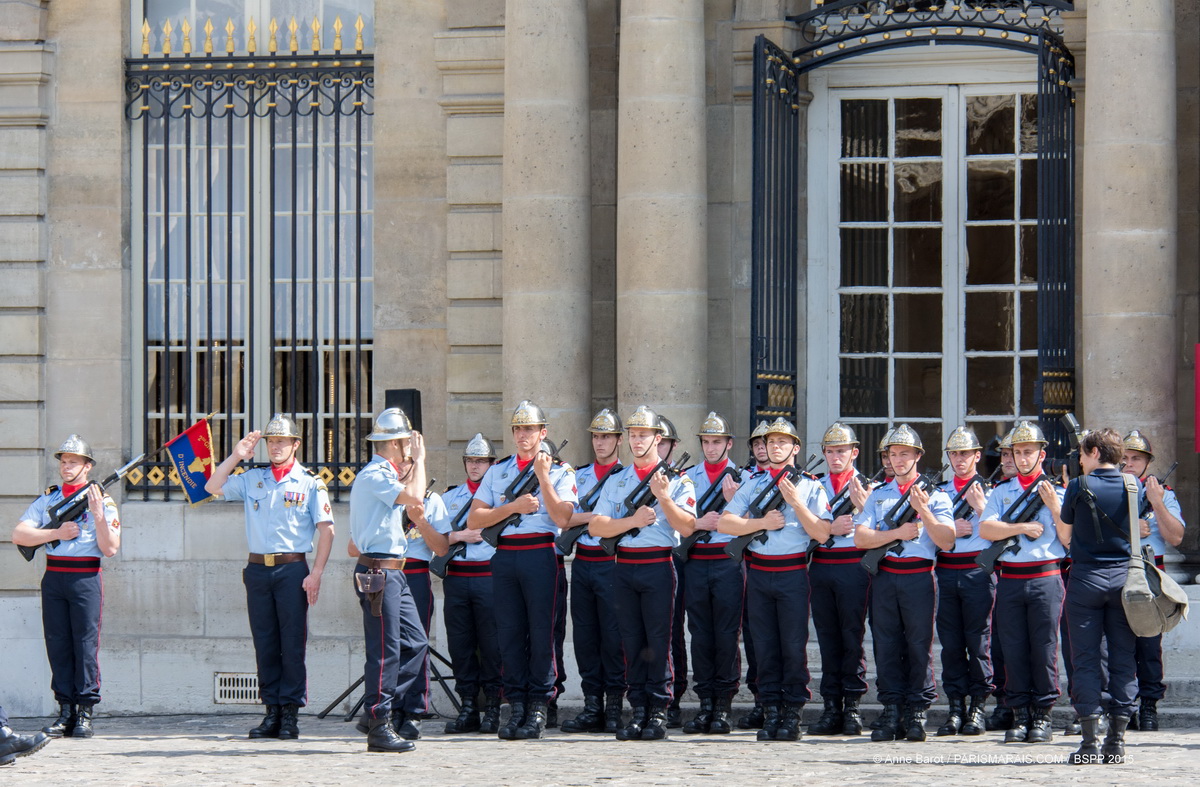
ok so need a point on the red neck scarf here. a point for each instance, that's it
(642, 472)
(1027, 480)
(522, 463)
(775, 473)
(905, 487)
(603, 470)
(70, 489)
(281, 472)
(714, 470)
(961, 483)
(473, 486)
(839, 480)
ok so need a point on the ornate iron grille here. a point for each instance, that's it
(254, 172)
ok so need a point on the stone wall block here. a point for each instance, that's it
(20, 476)
(146, 596)
(20, 334)
(465, 418)
(20, 381)
(22, 195)
(22, 287)
(475, 135)
(473, 279)
(22, 241)
(474, 183)
(22, 148)
(473, 325)
(474, 372)
(17, 574)
(468, 231)
(20, 428)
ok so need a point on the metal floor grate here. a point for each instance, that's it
(235, 688)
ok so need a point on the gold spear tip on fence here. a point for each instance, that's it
(273, 41)
(358, 38)
(316, 35)
(146, 37)
(337, 35)
(229, 28)
(166, 42)
(251, 41)
(186, 27)
(293, 43)
(208, 31)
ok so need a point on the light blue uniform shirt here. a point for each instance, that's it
(659, 533)
(700, 481)
(455, 499)
(881, 501)
(280, 516)
(846, 541)
(585, 479)
(500, 475)
(1046, 546)
(1156, 540)
(792, 538)
(83, 545)
(376, 524)
(439, 519)
(973, 542)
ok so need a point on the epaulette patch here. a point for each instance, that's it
(809, 475)
(452, 486)
(51, 489)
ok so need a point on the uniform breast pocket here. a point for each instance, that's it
(258, 497)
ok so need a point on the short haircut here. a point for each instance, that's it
(1108, 441)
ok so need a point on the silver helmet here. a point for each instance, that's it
(904, 435)
(392, 424)
(528, 414)
(668, 429)
(282, 426)
(963, 438)
(839, 434)
(606, 422)
(1028, 432)
(74, 444)
(644, 418)
(715, 426)
(479, 447)
(784, 427)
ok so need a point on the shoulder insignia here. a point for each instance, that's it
(452, 486)
(820, 476)
(806, 474)
(505, 459)
(1167, 488)
(51, 489)
(567, 467)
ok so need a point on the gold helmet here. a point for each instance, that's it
(74, 444)
(1006, 440)
(963, 438)
(780, 426)
(668, 429)
(282, 426)
(839, 434)
(714, 426)
(392, 424)
(479, 448)
(644, 418)
(883, 441)
(606, 422)
(528, 414)
(1028, 432)
(905, 436)
(1136, 441)
(759, 432)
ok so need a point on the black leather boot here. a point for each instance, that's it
(383, 738)
(633, 730)
(535, 722)
(1113, 749)
(83, 722)
(410, 728)
(64, 725)
(752, 720)
(612, 712)
(1019, 730)
(1147, 716)
(490, 723)
(788, 728)
(516, 718)
(552, 714)
(1088, 752)
(289, 728)
(720, 719)
(674, 715)
(1073, 727)
(700, 723)
(914, 725)
(655, 728)
(954, 718)
(1001, 718)
(13, 745)
(592, 718)
(1039, 726)
(468, 718)
(770, 723)
(269, 727)
(852, 723)
(889, 723)
(831, 720)
(974, 723)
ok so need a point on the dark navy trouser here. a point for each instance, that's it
(560, 629)
(751, 656)
(966, 595)
(777, 598)
(278, 608)
(471, 628)
(525, 589)
(644, 582)
(903, 606)
(1095, 612)
(598, 652)
(839, 593)
(396, 645)
(1029, 604)
(716, 589)
(679, 652)
(1150, 662)
(416, 573)
(71, 609)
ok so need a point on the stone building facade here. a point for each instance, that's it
(561, 210)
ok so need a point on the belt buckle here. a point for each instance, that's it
(269, 560)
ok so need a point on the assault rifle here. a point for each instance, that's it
(566, 541)
(712, 500)
(526, 483)
(769, 499)
(71, 508)
(962, 508)
(1024, 509)
(840, 506)
(441, 563)
(641, 496)
(1146, 507)
(901, 514)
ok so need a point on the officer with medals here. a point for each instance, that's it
(679, 653)
(525, 569)
(758, 463)
(966, 593)
(468, 607)
(839, 591)
(1029, 594)
(1163, 525)
(598, 651)
(396, 644)
(716, 587)
(14, 745)
(72, 588)
(904, 592)
(645, 580)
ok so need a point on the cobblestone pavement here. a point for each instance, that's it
(214, 750)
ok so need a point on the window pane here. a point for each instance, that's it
(990, 125)
(918, 256)
(1028, 384)
(1029, 123)
(1029, 264)
(1029, 188)
(864, 387)
(990, 386)
(1029, 321)
(918, 191)
(918, 127)
(864, 323)
(918, 323)
(869, 435)
(989, 322)
(864, 192)
(864, 257)
(930, 433)
(991, 256)
(991, 190)
(864, 129)
(918, 388)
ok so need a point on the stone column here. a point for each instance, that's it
(1128, 290)
(662, 204)
(547, 209)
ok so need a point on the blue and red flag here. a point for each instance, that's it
(191, 453)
